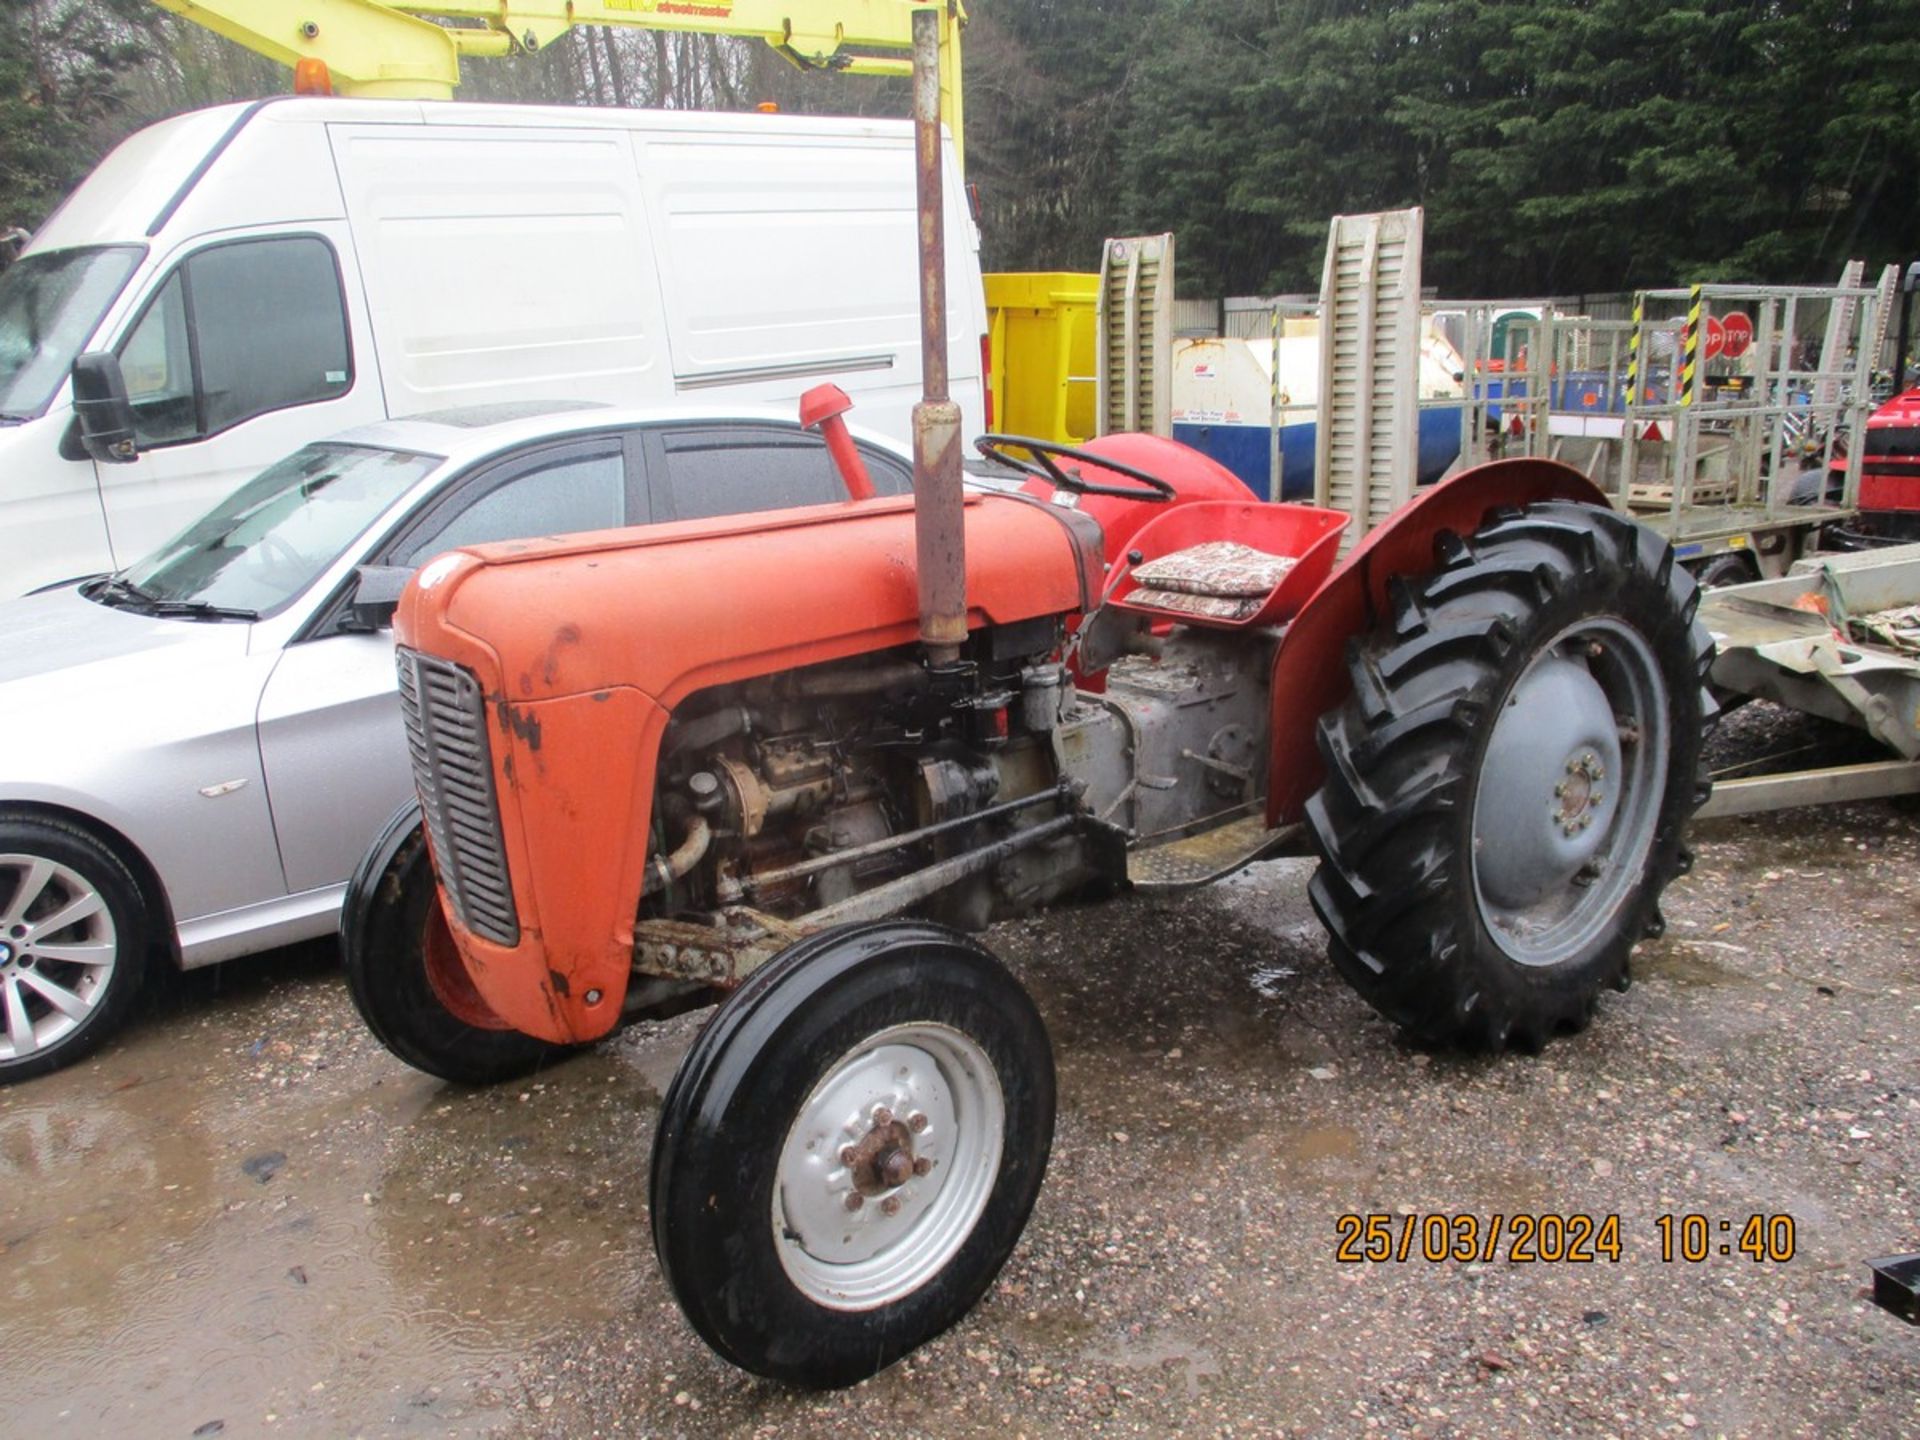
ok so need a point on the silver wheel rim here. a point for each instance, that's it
(919, 1104)
(57, 954)
(1569, 795)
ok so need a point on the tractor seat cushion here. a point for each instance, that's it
(1219, 569)
(1205, 607)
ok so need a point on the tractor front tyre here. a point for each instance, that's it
(850, 1150)
(406, 978)
(1508, 781)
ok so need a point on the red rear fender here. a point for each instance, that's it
(1310, 671)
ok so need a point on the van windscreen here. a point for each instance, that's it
(50, 304)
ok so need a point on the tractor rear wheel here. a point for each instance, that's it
(1507, 783)
(850, 1150)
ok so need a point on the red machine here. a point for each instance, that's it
(1890, 471)
(787, 761)
(716, 759)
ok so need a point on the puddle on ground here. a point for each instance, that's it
(314, 1254)
(1685, 964)
(1162, 1352)
(1324, 1142)
(94, 1201)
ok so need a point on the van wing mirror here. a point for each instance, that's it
(100, 404)
(376, 595)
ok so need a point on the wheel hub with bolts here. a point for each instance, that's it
(1578, 795)
(883, 1159)
(887, 1166)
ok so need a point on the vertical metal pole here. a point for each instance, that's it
(1470, 387)
(1856, 411)
(1630, 419)
(1276, 483)
(938, 496)
(1770, 388)
(1789, 340)
(1689, 366)
(1633, 348)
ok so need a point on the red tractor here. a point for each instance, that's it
(787, 761)
(727, 759)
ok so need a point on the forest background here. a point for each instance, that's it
(1559, 146)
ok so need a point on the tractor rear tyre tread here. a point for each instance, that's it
(1394, 820)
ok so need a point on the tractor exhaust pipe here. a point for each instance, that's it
(938, 497)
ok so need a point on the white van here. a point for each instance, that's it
(235, 282)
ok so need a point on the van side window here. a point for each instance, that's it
(158, 365)
(731, 470)
(236, 331)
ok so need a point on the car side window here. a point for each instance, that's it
(235, 331)
(732, 470)
(556, 495)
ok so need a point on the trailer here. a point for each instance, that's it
(1838, 636)
(1730, 418)
(1712, 415)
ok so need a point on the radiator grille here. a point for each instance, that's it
(453, 770)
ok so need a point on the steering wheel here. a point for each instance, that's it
(1151, 489)
(277, 560)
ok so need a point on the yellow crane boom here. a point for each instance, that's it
(373, 48)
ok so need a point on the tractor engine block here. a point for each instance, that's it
(762, 783)
(765, 785)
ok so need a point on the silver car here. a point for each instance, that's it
(195, 751)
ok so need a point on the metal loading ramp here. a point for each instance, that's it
(1134, 320)
(1368, 426)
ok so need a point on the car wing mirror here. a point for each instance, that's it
(376, 595)
(101, 406)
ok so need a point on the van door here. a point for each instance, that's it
(243, 351)
(504, 262)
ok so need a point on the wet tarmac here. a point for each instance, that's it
(247, 1219)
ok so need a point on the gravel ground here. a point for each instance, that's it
(249, 1217)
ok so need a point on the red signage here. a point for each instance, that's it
(1716, 337)
(1737, 333)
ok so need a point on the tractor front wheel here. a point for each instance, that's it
(407, 979)
(850, 1150)
(1507, 784)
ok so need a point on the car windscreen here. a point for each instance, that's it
(50, 304)
(270, 539)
